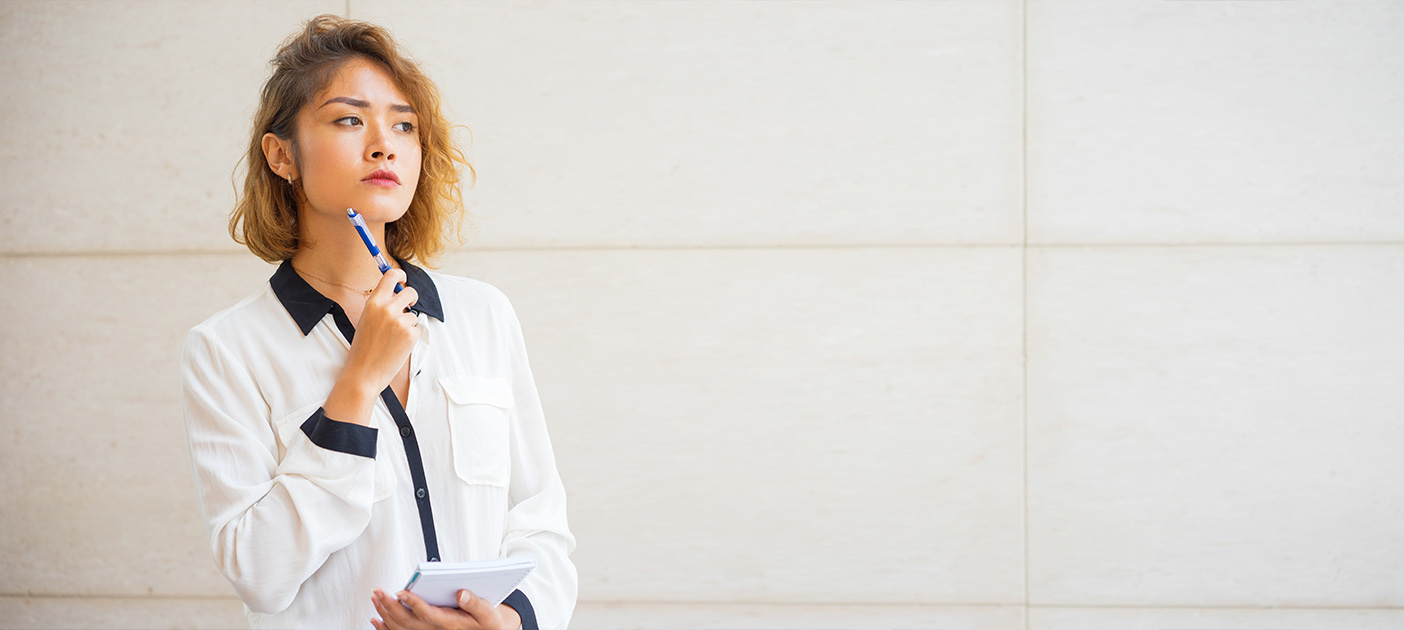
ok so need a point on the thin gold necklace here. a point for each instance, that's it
(338, 284)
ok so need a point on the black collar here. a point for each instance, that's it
(307, 306)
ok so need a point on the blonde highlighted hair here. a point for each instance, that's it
(265, 216)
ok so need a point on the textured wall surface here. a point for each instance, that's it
(965, 314)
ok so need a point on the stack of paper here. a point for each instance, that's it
(438, 583)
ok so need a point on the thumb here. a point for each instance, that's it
(465, 599)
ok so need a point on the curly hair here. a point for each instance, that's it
(265, 218)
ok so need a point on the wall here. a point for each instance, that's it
(968, 314)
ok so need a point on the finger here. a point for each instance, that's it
(388, 280)
(379, 610)
(475, 606)
(396, 615)
(385, 617)
(421, 608)
(406, 298)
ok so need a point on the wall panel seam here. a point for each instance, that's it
(778, 604)
(233, 598)
(478, 250)
(1205, 607)
(1024, 279)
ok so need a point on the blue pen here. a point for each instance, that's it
(380, 261)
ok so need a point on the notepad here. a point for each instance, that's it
(438, 583)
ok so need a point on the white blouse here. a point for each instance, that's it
(307, 515)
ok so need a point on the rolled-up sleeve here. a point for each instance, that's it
(536, 517)
(272, 523)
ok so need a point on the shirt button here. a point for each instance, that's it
(405, 431)
(420, 493)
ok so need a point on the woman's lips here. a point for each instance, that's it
(384, 178)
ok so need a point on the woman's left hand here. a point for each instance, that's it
(472, 614)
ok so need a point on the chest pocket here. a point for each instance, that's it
(479, 416)
(289, 428)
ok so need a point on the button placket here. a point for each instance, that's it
(416, 356)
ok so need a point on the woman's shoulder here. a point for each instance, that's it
(255, 314)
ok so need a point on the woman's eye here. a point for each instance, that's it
(348, 118)
(408, 127)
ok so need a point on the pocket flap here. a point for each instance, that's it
(466, 389)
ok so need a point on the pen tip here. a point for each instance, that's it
(350, 212)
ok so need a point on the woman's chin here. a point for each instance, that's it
(374, 210)
(387, 216)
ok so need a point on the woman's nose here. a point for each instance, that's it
(379, 152)
(379, 146)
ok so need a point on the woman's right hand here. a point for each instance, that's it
(386, 333)
(385, 336)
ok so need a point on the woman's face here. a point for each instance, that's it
(354, 130)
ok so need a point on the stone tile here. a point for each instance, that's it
(134, 116)
(94, 467)
(706, 123)
(644, 616)
(772, 421)
(1216, 426)
(803, 425)
(1192, 122)
(227, 613)
(1210, 619)
(122, 613)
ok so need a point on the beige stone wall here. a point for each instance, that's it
(980, 314)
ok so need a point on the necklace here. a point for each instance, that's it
(336, 284)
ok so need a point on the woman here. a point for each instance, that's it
(340, 432)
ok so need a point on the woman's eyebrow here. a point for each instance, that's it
(364, 105)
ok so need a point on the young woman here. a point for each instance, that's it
(340, 432)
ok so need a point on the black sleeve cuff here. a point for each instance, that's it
(342, 437)
(519, 602)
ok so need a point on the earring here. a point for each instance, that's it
(289, 179)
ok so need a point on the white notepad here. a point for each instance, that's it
(438, 583)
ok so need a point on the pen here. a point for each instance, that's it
(369, 240)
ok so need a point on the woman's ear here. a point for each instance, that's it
(278, 152)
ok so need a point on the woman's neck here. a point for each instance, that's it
(333, 252)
